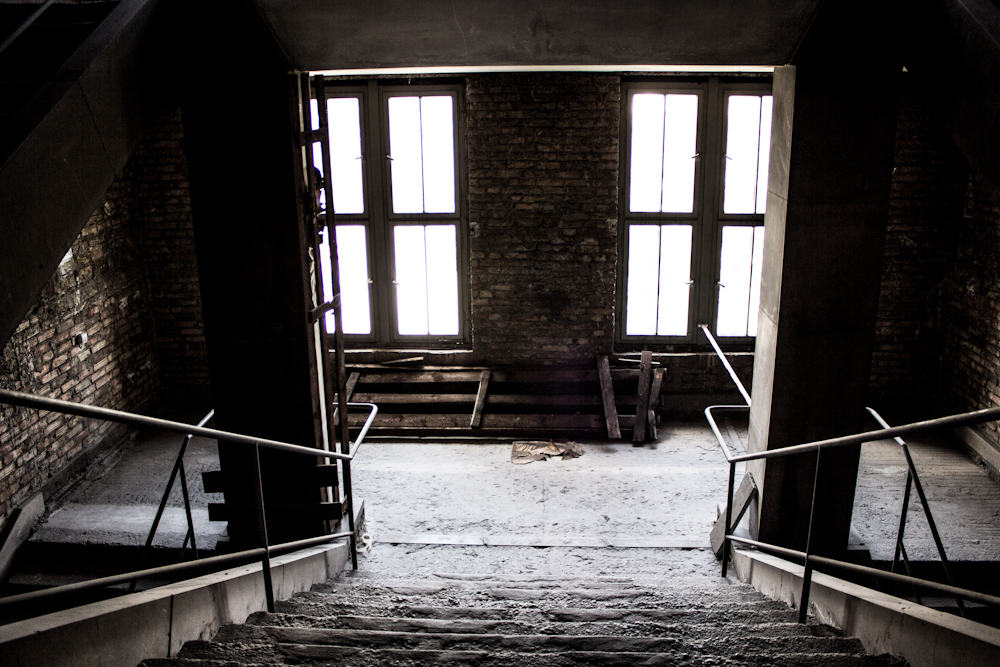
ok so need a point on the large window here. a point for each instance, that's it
(397, 212)
(694, 189)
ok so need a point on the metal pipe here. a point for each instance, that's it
(204, 563)
(975, 417)
(122, 417)
(807, 571)
(187, 510)
(901, 530)
(919, 488)
(28, 22)
(265, 558)
(725, 362)
(715, 427)
(951, 591)
(729, 519)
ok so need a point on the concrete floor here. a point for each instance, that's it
(118, 507)
(614, 502)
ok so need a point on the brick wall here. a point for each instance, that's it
(159, 177)
(925, 204)
(130, 286)
(543, 215)
(971, 309)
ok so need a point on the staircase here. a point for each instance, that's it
(526, 619)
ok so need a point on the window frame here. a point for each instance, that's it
(707, 218)
(379, 219)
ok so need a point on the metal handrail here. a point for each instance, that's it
(725, 362)
(264, 552)
(27, 23)
(974, 417)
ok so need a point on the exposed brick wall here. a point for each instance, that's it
(543, 215)
(100, 291)
(158, 172)
(925, 204)
(971, 309)
(130, 285)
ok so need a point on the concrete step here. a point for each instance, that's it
(679, 627)
(317, 604)
(207, 653)
(712, 641)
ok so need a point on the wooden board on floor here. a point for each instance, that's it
(608, 398)
(642, 397)
(746, 492)
(477, 409)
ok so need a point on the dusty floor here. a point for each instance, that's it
(615, 505)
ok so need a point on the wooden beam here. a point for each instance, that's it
(642, 398)
(412, 399)
(608, 398)
(477, 409)
(414, 377)
(460, 422)
(352, 382)
(654, 400)
(746, 492)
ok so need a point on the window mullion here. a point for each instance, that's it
(377, 193)
(708, 234)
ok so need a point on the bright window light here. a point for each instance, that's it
(739, 280)
(426, 262)
(663, 151)
(352, 262)
(659, 280)
(344, 118)
(422, 151)
(748, 141)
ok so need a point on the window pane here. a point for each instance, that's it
(739, 278)
(663, 146)
(404, 147)
(426, 279)
(659, 272)
(353, 266)
(442, 280)
(422, 147)
(643, 278)
(645, 175)
(748, 137)
(345, 154)
(438, 146)
(680, 144)
(675, 277)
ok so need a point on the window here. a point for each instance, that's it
(694, 186)
(397, 212)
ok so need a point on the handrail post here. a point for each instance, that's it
(807, 565)
(262, 528)
(726, 544)
(911, 468)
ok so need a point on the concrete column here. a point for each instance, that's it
(253, 266)
(830, 163)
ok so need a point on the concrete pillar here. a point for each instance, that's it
(832, 139)
(253, 267)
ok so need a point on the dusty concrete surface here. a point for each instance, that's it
(662, 495)
(964, 500)
(118, 507)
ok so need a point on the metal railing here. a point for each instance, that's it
(810, 560)
(263, 553)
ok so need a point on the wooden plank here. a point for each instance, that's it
(746, 492)
(477, 409)
(352, 382)
(608, 398)
(405, 377)
(527, 400)
(642, 398)
(412, 399)
(654, 391)
(496, 422)
(624, 373)
(544, 376)
(651, 424)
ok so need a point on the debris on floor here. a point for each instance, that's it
(526, 451)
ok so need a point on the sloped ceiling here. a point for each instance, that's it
(347, 34)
